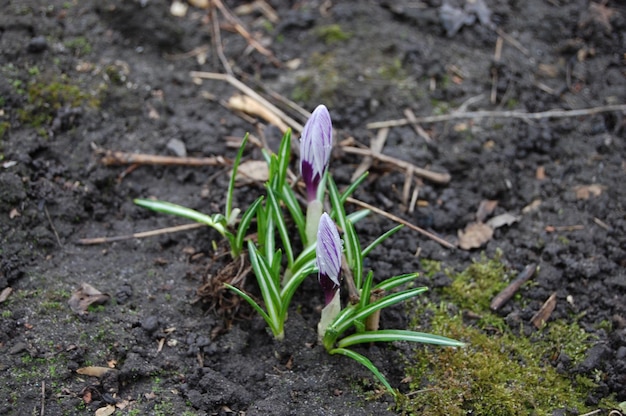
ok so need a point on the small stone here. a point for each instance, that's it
(150, 324)
(37, 44)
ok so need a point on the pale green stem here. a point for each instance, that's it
(329, 313)
(313, 214)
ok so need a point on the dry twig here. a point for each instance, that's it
(239, 27)
(251, 93)
(400, 221)
(440, 178)
(122, 158)
(152, 233)
(501, 114)
(513, 287)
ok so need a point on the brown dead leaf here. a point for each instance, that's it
(93, 371)
(587, 191)
(87, 397)
(540, 173)
(543, 314)
(532, 207)
(200, 4)
(86, 295)
(475, 235)
(105, 411)
(252, 171)
(5, 294)
(485, 209)
(253, 107)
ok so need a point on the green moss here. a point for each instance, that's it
(430, 267)
(499, 372)
(331, 34)
(392, 71)
(4, 128)
(79, 46)
(44, 98)
(474, 288)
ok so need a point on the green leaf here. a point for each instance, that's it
(305, 256)
(279, 219)
(246, 220)
(269, 245)
(181, 211)
(368, 364)
(380, 239)
(350, 190)
(391, 335)
(290, 200)
(284, 156)
(366, 291)
(267, 284)
(357, 216)
(290, 287)
(231, 183)
(380, 304)
(252, 303)
(396, 281)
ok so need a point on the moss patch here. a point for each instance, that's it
(44, 98)
(331, 34)
(499, 372)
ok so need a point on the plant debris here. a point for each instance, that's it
(86, 296)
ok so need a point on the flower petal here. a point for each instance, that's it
(328, 249)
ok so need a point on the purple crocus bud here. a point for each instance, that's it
(328, 253)
(316, 144)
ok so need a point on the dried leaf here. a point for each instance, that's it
(543, 314)
(252, 171)
(93, 371)
(587, 191)
(105, 411)
(485, 209)
(502, 220)
(253, 107)
(5, 294)
(200, 4)
(85, 296)
(532, 207)
(475, 235)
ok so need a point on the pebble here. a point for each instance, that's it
(150, 324)
(37, 44)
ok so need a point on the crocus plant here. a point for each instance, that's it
(279, 271)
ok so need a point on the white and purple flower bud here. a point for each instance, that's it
(328, 257)
(316, 144)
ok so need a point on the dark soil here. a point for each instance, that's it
(76, 75)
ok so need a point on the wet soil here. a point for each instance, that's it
(76, 76)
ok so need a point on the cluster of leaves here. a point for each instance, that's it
(279, 270)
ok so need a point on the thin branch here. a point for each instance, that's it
(239, 27)
(440, 178)
(251, 93)
(122, 158)
(152, 233)
(401, 221)
(500, 114)
(217, 40)
(54, 230)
